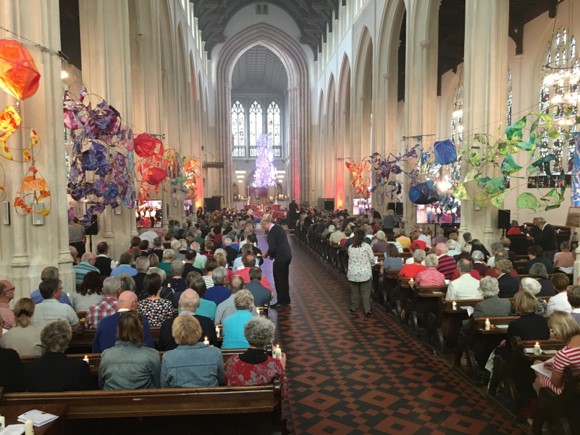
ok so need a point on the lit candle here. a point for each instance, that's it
(537, 349)
(277, 352)
(217, 331)
(454, 305)
(28, 427)
(411, 282)
(2, 422)
(487, 325)
(86, 359)
(206, 341)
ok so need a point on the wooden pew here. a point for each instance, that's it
(253, 405)
(451, 320)
(82, 341)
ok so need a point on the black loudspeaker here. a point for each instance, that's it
(93, 228)
(397, 207)
(329, 204)
(504, 218)
(212, 204)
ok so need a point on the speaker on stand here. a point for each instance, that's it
(503, 220)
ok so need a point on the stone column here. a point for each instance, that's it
(25, 249)
(485, 88)
(420, 82)
(106, 69)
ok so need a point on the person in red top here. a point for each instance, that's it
(430, 277)
(447, 264)
(514, 229)
(411, 270)
(249, 261)
(416, 243)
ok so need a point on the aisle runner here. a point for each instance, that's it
(358, 375)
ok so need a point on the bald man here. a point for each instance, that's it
(188, 304)
(106, 334)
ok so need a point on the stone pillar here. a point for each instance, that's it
(106, 69)
(420, 82)
(25, 249)
(485, 88)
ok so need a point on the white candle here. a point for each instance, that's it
(217, 331)
(28, 427)
(277, 352)
(86, 359)
(487, 325)
(206, 341)
(454, 305)
(537, 349)
(2, 422)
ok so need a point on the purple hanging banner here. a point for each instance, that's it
(576, 173)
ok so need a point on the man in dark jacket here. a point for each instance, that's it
(279, 250)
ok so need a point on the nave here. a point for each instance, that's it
(354, 374)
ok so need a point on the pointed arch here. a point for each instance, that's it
(343, 131)
(364, 88)
(330, 148)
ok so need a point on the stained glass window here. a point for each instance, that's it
(256, 122)
(273, 123)
(238, 130)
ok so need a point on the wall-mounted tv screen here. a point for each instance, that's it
(448, 212)
(149, 214)
(360, 206)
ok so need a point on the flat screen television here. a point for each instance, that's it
(360, 206)
(448, 212)
(149, 214)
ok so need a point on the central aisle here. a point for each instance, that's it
(358, 375)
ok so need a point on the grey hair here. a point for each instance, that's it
(488, 286)
(259, 331)
(168, 254)
(418, 255)
(127, 282)
(159, 271)
(495, 246)
(477, 256)
(531, 285)
(175, 245)
(464, 265)
(56, 336)
(111, 286)
(244, 300)
(177, 267)
(431, 260)
(451, 244)
(49, 272)
(219, 275)
(539, 270)
(189, 303)
(266, 219)
(142, 263)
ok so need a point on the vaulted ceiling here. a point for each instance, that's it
(259, 69)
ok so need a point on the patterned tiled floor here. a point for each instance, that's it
(350, 374)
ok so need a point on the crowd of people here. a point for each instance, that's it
(183, 281)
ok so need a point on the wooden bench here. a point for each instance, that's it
(82, 341)
(235, 406)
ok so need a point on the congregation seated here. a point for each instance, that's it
(534, 287)
(501, 254)
(233, 329)
(410, 270)
(262, 295)
(206, 308)
(254, 366)
(129, 364)
(559, 302)
(189, 303)
(24, 337)
(54, 371)
(107, 331)
(249, 261)
(566, 329)
(479, 262)
(491, 305)
(538, 271)
(50, 309)
(175, 280)
(565, 258)
(509, 285)
(108, 306)
(379, 243)
(446, 263)
(88, 293)
(536, 255)
(392, 261)
(574, 299)
(466, 286)
(464, 256)
(227, 307)
(86, 265)
(154, 308)
(49, 272)
(430, 277)
(192, 363)
(142, 265)
(218, 292)
(125, 265)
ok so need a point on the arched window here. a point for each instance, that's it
(273, 125)
(256, 125)
(238, 130)
(559, 96)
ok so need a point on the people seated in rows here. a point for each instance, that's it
(403, 239)
(508, 284)
(158, 248)
(410, 270)
(478, 260)
(206, 307)
(54, 371)
(392, 261)
(127, 283)
(125, 265)
(24, 336)
(129, 364)
(51, 309)
(86, 265)
(565, 258)
(189, 303)
(559, 302)
(491, 305)
(379, 243)
(446, 264)
(440, 237)
(466, 286)
(88, 293)
(6, 295)
(262, 295)
(153, 307)
(336, 236)
(233, 326)
(188, 266)
(218, 292)
(359, 273)
(477, 245)
(535, 255)
(392, 241)
(103, 262)
(49, 272)
(430, 277)
(249, 261)
(564, 328)
(134, 248)
(254, 366)
(11, 368)
(207, 272)
(453, 248)
(175, 280)
(221, 257)
(465, 256)
(142, 265)
(539, 273)
(494, 247)
(154, 260)
(108, 306)
(574, 299)
(192, 363)
(227, 307)
(106, 331)
(533, 287)
(168, 257)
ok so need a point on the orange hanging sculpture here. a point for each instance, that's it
(18, 73)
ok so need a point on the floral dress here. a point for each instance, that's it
(263, 370)
(156, 311)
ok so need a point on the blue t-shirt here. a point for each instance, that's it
(234, 330)
(37, 298)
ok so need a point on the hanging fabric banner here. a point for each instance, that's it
(576, 173)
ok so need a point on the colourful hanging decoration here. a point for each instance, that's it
(33, 195)
(148, 146)
(9, 123)
(18, 73)
(359, 177)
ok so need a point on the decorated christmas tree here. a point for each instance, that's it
(265, 175)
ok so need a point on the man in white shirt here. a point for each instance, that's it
(51, 309)
(464, 287)
(559, 302)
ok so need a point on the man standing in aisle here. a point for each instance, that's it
(279, 251)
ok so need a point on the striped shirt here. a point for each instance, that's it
(565, 357)
(447, 265)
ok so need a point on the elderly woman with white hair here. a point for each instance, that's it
(411, 269)
(234, 324)
(491, 305)
(430, 277)
(479, 262)
(168, 257)
(533, 287)
(254, 366)
(538, 271)
(379, 243)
